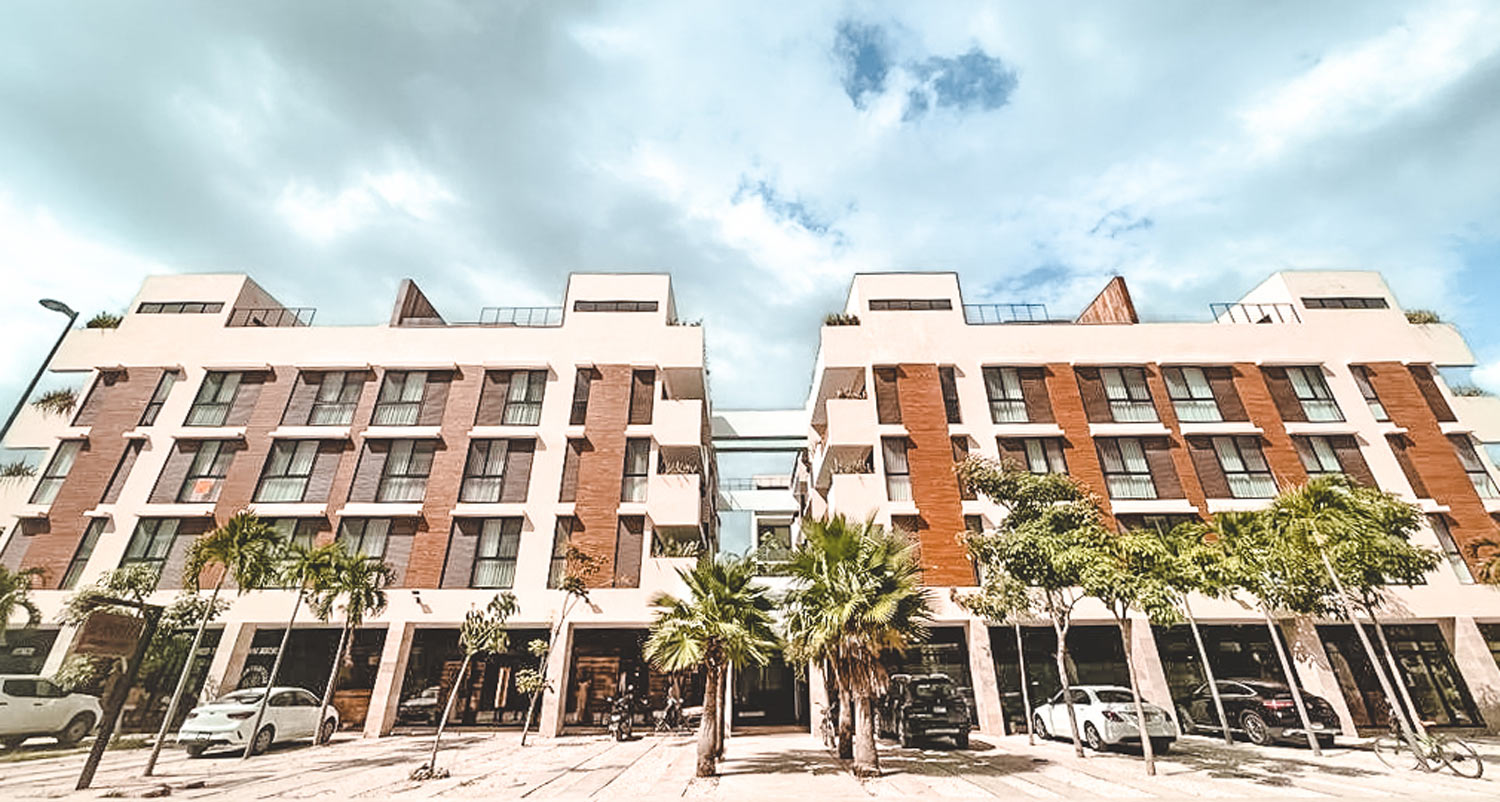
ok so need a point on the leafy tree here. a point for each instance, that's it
(1001, 600)
(360, 581)
(1045, 542)
(15, 596)
(481, 632)
(578, 567)
(725, 621)
(857, 592)
(1197, 570)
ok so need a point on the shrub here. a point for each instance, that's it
(840, 320)
(1420, 316)
(103, 320)
(57, 402)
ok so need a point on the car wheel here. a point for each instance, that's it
(1256, 730)
(1092, 738)
(1161, 746)
(13, 741)
(77, 728)
(1039, 727)
(263, 740)
(196, 750)
(1185, 721)
(1325, 741)
(325, 732)
(961, 740)
(903, 731)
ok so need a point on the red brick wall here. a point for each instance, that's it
(934, 486)
(1260, 405)
(343, 478)
(430, 545)
(1182, 460)
(601, 470)
(1083, 460)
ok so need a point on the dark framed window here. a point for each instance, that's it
(1128, 395)
(1338, 302)
(909, 304)
(205, 474)
(642, 396)
(289, 466)
(56, 471)
(637, 469)
(773, 541)
(400, 400)
(1127, 473)
(1312, 392)
(897, 468)
(365, 536)
(523, 401)
(300, 532)
(1244, 466)
(1044, 455)
(1192, 397)
(562, 535)
(82, 554)
(583, 382)
(1455, 557)
(1367, 389)
(948, 379)
(150, 542)
(215, 397)
(158, 397)
(338, 394)
(614, 306)
(496, 471)
(122, 471)
(1479, 476)
(495, 553)
(1007, 403)
(407, 466)
(179, 307)
(1318, 455)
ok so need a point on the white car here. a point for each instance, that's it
(32, 706)
(291, 715)
(1106, 717)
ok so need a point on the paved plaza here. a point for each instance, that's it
(759, 766)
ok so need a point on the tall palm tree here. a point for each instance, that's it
(857, 593)
(725, 621)
(308, 570)
(243, 550)
(361, 581)
(15, 595)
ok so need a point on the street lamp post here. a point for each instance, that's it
(60, 308)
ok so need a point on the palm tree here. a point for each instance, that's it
(482, 631)
(361, 580)
(857, 593)
(307, 569)
(15, 595)
(243, 550)
(725, 621)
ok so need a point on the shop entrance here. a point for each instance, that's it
(606, 662)
(1095, 655)
(769, 695)
(945, 652)
(308, 661)
(487, 695)
(1437, 689)
(1238, 651)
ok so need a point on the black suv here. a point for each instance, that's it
(1263, 710)
(919, 706)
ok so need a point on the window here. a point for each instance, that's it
(1312, 392)
(614, 306)
(897, 469)
(949, 381)
(642, 395)
(909, 304)
(1366, 389)
(56, 472)
(637, 463)
(773, 541)
(676, 541)
(1245, 467)
(569, 489)
(150, 543)
(406, 468)
(562, 534)
(1318, 455)
(179, 307)
(365, 536)
(215, 397)
(1345, 303)
(158, 397)
(338, 393)
(523, 402)
(1450, 549)
(300, 532)
(287, 471)
(887, 396)
(1129, 398)
(1126, 471)
(1007, 404)
(495, 554)
(1474, 467)
(122, 471)
(582, 383)
(205, 474)
(1192, 397)
(1044, 455)
(400, 401)
(497, 471)
(85, 550)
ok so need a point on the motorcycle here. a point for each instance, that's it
(620, 710)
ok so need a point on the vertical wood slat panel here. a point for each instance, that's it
(1206, 465)
(629, 545)
(325, 466)
(1034, 393)
(97, 396)
(887, 400)
(1282, 394)
(174, 471)
(518, 457)
(304, 393)
(1091, 390)
(367, 474)
(1163, 469)
(462, 546)
(642, 396)
(246, 396)
(1221, 382)
(1351, 459)
(434, 397)
(492, 398)
(122, 471)
(1422, 375)
(571, 458)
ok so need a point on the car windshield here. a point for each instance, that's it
(240, 698)
(932, 689)
(1115, 697)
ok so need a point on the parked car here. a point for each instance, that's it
(917, 707)
(1106, 717)
(291, 715)
(1261, 709)
(31, 706)
(424, 708)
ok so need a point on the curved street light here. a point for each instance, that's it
(62, 309)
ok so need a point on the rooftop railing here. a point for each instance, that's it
(994, 314)
(528, 316)
(1254, 313)
(271, 317)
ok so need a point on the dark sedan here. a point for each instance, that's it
(1261, 709)
(918, 707)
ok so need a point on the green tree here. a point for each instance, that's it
(857, 593)
(15, 596)
(1046, 540)
(1003, 600)
(243, 550)
(360, 580)
(724, 621)
(578, 567)
(1197, 569)
(481, 632)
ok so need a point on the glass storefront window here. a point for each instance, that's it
(487, 695)
(1238, 651)
(1095, 654)
(1426, 666)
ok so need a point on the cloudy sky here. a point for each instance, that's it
(760, 152)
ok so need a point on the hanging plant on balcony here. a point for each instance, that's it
(16, 469)
(57, 402)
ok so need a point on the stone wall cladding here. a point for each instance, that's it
(934, 486)
(601, 470)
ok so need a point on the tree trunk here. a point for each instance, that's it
(458, 682)
(265, 698)
(724, 722)
(333, 677)
(187, 668)
(1208, 673)
(530, 708)
(1390, 659)
(1061, 653)
(846, 720)
(1140, 711)
(866, 759)
(1291, 681)
(708, 723)
(1025, 692)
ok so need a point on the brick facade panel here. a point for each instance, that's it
(934, 485)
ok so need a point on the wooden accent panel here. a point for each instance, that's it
(403, 550)
(1091, 391)
(122, 471)
(1402, 446)
(601, 470)
(1431, 456)
(98, 392)
(1206, 465)
(1221, 382)
(642, 396)
(371, 465)
(1160, 457)
(1111, 305)
(1034, 393)
(435, 398)
(119, 409)
(934, 485)
(1422, 375)
(458, 568)
(887, 397)
(518, 455)
(325, 467)
(1351, 459)
(247, 397)
(188, 530)
(574, 451)
(1064, 387)
(1254, 387)
(630, 544)
(1186, 479)
(429, 543)
(173, 471)
(1283, 396)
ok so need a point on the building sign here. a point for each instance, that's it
(109, 635)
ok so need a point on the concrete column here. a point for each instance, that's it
(1150, 677)
(1313, 668)
(229, 659)
(817, 697)
(59, 651)
(385, 699)
(728, 701)
(554, 701)
(987, 702)
(1471, 653)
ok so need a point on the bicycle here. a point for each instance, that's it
(1428, 753)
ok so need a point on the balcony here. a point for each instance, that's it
(678, 422)
(675, 499)
(1254, 313)
(996, 314)
(271, 317)
(521, 316)
(857, 495)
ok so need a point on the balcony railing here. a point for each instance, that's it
(1255, 313)
(271, 317)
(994, 314)
(526, 316)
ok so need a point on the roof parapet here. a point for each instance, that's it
(1111, 305)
